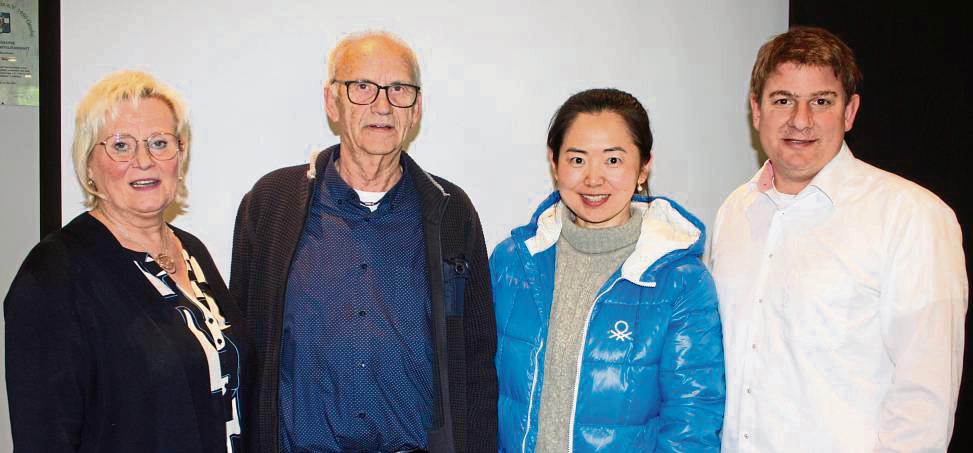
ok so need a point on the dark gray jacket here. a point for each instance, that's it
(269, 225)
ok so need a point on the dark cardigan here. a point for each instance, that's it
(269, 225)
(97, 361)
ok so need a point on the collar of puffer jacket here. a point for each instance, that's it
(666, 228)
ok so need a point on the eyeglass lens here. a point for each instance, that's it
(365, 92)
(122, 147)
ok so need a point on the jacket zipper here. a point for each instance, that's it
(447, 424)
(577, 376)
(533, 388)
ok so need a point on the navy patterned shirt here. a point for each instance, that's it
(356, 365)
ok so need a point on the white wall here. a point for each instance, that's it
(493, 74)
(20, 189)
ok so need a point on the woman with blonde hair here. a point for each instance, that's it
(120, 332)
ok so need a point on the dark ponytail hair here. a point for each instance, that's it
(602, 100)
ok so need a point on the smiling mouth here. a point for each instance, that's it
(799, 142)
(594, 200)
(144, 183)
(381, 127)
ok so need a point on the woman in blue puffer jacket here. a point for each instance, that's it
(609, 337)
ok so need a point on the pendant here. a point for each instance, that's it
(166, 262)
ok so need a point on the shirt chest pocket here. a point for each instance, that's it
(456, 274)
(821, 307)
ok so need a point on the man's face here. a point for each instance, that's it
(378, 128)
(801, 117)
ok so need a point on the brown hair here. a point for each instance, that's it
(810, 46)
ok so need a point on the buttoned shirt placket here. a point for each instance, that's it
(816, 300)
(757, 329)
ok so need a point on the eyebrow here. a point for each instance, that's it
(815, 94)
(579, 150)
(824, 93)
(397, 82)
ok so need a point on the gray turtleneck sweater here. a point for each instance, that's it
(585, 259)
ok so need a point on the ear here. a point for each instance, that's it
(645, 170)
(90, 185)
(851, 111)
(550, 160)
(418, 111)
(754, 112)
(331, 92)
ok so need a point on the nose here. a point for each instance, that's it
(381, 104)
(142, 159)
(593, 176)
(802, 117)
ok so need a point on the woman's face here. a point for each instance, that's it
(598, 169)
(142, 187)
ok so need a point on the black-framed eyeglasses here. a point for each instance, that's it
(364, 92)
(160, 145)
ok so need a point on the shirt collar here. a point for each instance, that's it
(335, 191)
(829, 181)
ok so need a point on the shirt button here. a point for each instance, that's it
(362, 313)
(754, 346)
(748, 390)
(361, 364)
(210, 320)
(361, 415)
(745, 435)
(770, 255)
(363, 266)
(760, 301)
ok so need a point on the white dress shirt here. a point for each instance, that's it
(843, 311)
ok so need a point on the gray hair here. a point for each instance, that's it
(337, 55)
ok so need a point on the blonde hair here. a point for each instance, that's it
(337, 55)
(101, 102)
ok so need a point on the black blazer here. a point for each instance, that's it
(97, 362)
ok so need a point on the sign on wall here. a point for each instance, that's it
(18, 53)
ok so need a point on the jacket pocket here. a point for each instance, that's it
(456, 272)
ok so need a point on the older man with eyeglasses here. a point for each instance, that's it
(365, 282)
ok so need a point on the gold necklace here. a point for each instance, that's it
(163, 258)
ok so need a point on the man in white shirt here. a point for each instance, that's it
(842, 287)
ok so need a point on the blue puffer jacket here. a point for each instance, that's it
(651, 372)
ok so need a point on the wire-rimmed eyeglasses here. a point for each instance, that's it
(160, 145)
(364, 92)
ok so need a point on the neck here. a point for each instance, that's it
(135, 232)
(371, 173)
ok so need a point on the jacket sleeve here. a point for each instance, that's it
(924, 297)
(692, 371)
(240, 257)
(47, 363)
(481, 345)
